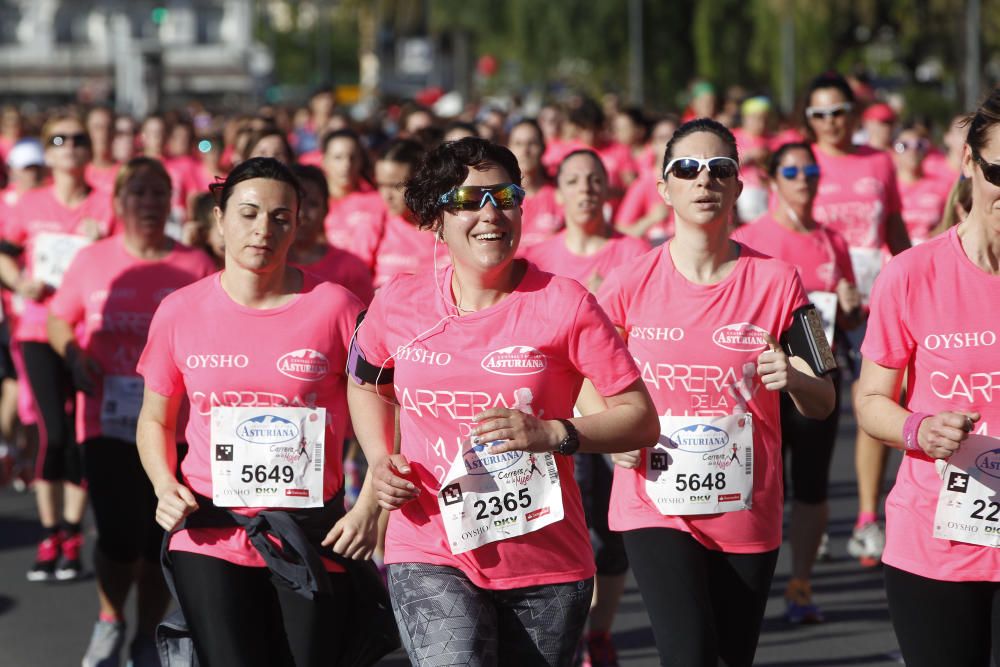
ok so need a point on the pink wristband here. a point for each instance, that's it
(910, 429)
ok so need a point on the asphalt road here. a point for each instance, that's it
(48, 625)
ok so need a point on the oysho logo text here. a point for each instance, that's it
(422, 356)
(217, 361)
(672, 334)
(958, 340)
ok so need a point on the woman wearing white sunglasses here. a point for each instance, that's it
(859, 198)
(701, 511)
(489, 554)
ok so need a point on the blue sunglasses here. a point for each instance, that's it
(810, 171)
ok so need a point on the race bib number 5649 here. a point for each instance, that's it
(268, 457)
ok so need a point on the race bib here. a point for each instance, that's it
(701, 465)
(826, 306)
(968, 508)
(867, 263)
(491, 497)
(268, 457)
(52, 255)
(120, 405)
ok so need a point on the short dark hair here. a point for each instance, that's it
(403, 151)
(257, 137)
(255, 167)
(587, 114)
(779, 152)
(343, 133)
(533, 124)
(830, 80)
(308, 173)
(701, 125)
(582, 151)
(446, 167)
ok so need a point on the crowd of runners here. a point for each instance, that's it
(442, 382)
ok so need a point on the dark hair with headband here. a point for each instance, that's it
(702, 125)
(775, 160)
(255, 167)
(446, 167)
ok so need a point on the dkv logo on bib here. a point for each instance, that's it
(741, 337)
(267, 430)
(699, 438)
(515, 360)
(308, 365)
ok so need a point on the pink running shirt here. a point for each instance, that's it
(345, 269)
(641, 198)
(39, 212)
(541, 217)
(399, 246)
(218, 352)
(554, 257)
(672, 327)
(923, 205)
(112, 295)
(929, 315)
(442, 382)
(857, 194)
(821, 256)
(355, 216)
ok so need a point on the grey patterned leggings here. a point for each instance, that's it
(444, 619)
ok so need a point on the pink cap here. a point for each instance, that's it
(880, 112)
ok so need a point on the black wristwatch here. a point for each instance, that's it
(571, 442)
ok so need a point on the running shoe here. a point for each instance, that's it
(601, 650)
(142, 652)
(866, 544)
(105, 645)
(799, 607)
(823, 551)
(44, 568)
(70, 566)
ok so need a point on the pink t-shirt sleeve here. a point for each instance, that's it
(68, 301)
(611, 298)
(888, 341)
(842, 256)
(157, 364)
(893, 200)
(369, 342)
(598, 352)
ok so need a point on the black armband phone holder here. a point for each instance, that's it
(359, 368)
(805, 339)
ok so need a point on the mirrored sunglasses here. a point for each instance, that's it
(473, 197)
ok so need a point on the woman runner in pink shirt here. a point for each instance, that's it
(701, 512)
(789, 233)
(542, 215)
(108, 296)
(354, 204)
(933, 321)
(258, 351)
(488, 552)
(51, 223)
(923, 195)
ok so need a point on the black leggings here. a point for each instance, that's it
(809, 444)
(238, 617)
(705, 606)
(59, 456)
(950, 623)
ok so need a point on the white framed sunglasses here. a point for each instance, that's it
(688, 168)
(833, 111)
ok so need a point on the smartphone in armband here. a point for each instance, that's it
(805, 339)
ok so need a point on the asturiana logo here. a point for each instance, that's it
(515, 360)
(989, 463)
(699, 438)
(308, 365)
(267, 430)
(479, 462)
(742, 337)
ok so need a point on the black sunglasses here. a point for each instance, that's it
(991, 172)
(79, 139)
(688, 168)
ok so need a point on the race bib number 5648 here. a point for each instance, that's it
(701, 465)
